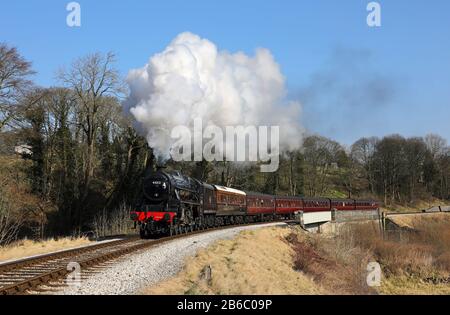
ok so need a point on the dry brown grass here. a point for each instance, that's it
(434, 229)
(402, 285)
(26, 248)
(404, 259)
(335, 262)
(420, 221)
(416, 260)
(289, 261)
(422, 251)
(256, 262)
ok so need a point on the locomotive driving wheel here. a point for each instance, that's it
(143, 232)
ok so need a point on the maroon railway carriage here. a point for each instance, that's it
(229, 201)
(366, 205)
(287, 206)
(260, 204)
(343, 204)
(316, 204)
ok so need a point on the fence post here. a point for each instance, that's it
(382, 220)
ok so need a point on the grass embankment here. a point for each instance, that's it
(255, 262)
(416, 261)
(26, 248)
(413, 261)
(290, 261)
(266, 261)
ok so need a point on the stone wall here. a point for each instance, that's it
(355, 215)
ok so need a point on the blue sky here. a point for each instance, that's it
(353, 80)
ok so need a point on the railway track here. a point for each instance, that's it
(22, 276)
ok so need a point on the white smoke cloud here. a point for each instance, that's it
(192, 79)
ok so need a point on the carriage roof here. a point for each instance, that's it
(229, 190)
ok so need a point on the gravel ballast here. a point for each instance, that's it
(132, 273)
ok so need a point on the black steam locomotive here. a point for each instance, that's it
(173, 203)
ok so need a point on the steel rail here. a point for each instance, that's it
(20, 263)
(113, 250)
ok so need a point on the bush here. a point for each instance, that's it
(331, 265)
(422, 251)
(116, 222)
(9, 224)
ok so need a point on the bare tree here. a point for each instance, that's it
(95, 81)
(319, 153)
(440, 153)
(390, 167)
(436, 144)
(415, 155)
(9, 224)
(115, 222)
(14, 82)
(295, 172)
(362, 152)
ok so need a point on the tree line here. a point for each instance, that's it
(86, 162)
(86, 156)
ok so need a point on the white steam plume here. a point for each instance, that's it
(191, 78)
